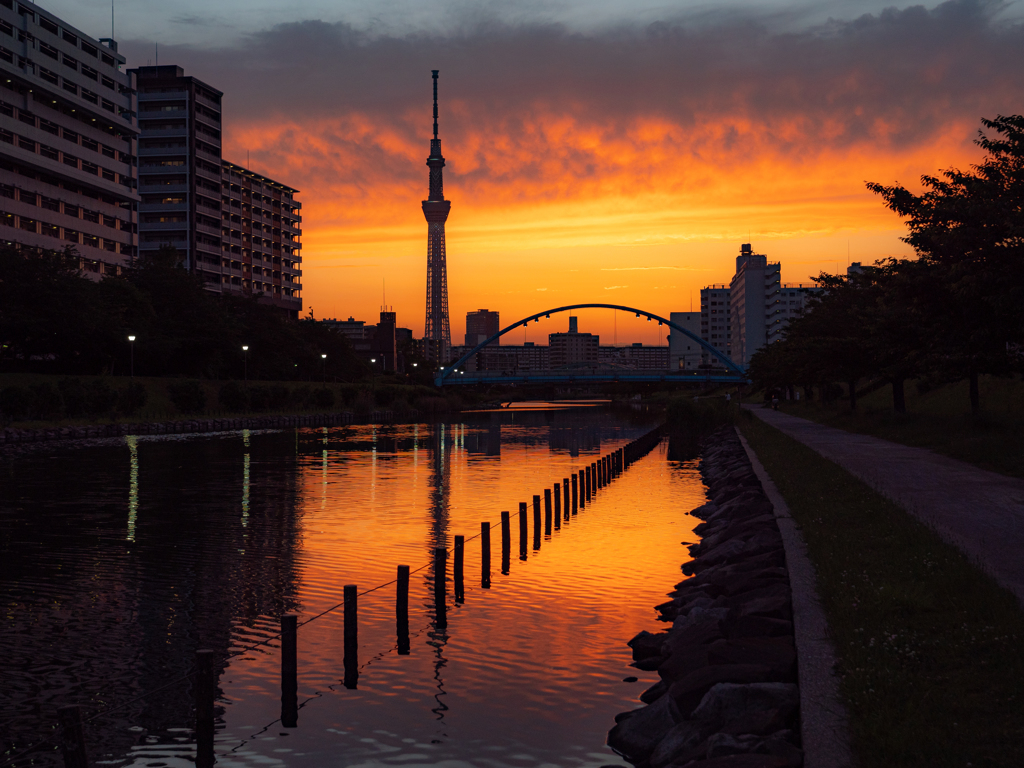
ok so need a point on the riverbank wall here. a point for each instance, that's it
(727, 696)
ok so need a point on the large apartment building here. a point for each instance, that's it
(238, 230)
(261, 238)
(67, 141)
(715, 322)
(754, 289)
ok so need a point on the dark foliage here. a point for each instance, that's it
(54, 320)
(132, 398)
(954, 313)
(188, 396)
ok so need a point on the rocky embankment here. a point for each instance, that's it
(727, 697)
(188, 426)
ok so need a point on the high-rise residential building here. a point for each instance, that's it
(261, 229)
(573, 348)
(480, 326)
(715, 323)
(684, 354)
(754, 288)
(68, 135)
(437, 336)
(180, 168)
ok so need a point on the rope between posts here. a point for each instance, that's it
(276, 636)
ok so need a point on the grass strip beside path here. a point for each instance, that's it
(929, 647)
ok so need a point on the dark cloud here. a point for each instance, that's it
(729, 83)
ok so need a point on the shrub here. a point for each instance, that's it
(302, 397)
(259, 399)
(15, 403)
(233, 397)
(46, 402)
(74, 395)
(132, 398)
(323, 397)
(188, 396)
(280, 397)
(100, 397)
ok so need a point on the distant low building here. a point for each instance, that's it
(635, 357)
(573, 349)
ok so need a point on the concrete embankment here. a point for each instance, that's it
(727, 697)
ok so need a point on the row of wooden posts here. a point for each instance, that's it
(560, 502)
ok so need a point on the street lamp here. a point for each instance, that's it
(131, 345)
(245, 360)
(324, 358)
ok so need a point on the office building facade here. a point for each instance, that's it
(684, 354)
(68, 141)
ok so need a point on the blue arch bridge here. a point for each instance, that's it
(729, 372)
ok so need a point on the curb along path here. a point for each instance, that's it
(728, 666)
(824, 726)
(977, 511)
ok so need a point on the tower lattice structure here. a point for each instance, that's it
(437, 330)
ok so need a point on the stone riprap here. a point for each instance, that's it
(727, 697)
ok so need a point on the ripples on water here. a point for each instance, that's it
(121, 559)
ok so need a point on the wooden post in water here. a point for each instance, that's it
(565, 495)
(350, 661)
(206, 693)
(402, 610)
(575, 492)
(556, 494)
(599, 472)
(593, 478)
(485, 555)
(583, 488)
(547, 511)
(289, 671)
(72, 736)
(440, 575)
(458, 575)
(588, 476)
(523, 530)
(536, 522)
(506, 543)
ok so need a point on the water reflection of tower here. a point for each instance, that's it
(437, 331)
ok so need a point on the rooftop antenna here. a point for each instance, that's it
(434, 73)
(156, 48)
(111, 19)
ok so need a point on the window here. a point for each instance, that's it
(70, 37)
(70, 62)
(26, 144)
(48, 25)
(71, 236)
(109, 60)
(70, 136)
(49, 152)
(49, 127)
(71, 210)
(90, 49)
(89, 72)
(70, 87)
(107, 82)
(90, 96)
(50, 204)
(90, 144)
(47, 50)
(29, 225)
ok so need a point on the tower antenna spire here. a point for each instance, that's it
(435, 71)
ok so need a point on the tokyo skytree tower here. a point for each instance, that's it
(437, 330)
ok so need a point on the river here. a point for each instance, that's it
(121, 557)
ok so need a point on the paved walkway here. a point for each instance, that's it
(980, 512)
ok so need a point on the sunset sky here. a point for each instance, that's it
(597, 150)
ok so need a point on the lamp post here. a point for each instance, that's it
(245, 360)
(131, 346)
(324, 358)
